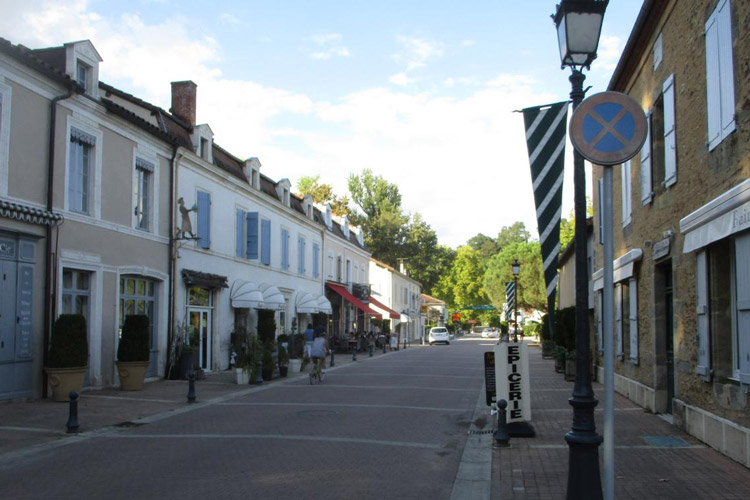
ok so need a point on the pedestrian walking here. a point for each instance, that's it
(309, 338)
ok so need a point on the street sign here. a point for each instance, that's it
(608, 128)
(512, 379)
(489, 377)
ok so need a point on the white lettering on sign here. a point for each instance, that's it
(740, 218)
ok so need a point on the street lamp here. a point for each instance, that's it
(516, 269)
(579, 25)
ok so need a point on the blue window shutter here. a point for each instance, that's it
(204, 220)
(252, 235)
(316, 259)
(284, 249)
(265, 242)
(240, 240)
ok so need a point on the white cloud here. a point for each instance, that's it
(330, 44)
(417, 52)
(608, 54)
(461, 162)
(401, 79)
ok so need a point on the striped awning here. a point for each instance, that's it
(341, 290)
(272, 297)
(306, 303)
(324, 305)
(33, 215)
(245, 295)
(391, 313)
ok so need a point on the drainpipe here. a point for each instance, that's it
(50, 282)
(172, 255)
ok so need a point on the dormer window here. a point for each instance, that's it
(203, 138)
(204, 148)
(282, 191)
(83, 72)
(254, 178)
(252, 172)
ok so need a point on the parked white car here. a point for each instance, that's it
(439, 334)
(489, 333)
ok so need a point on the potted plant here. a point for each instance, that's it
(243, 344)
(133, 352)
(188, 358)
(558, 353)
(283, 361)
(67, 359)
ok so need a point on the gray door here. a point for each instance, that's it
(7, 312)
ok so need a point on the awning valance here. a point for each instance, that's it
(272, 297)
(245, 295)
(25, 213)
(306, 303)
(391, 313)
(341, 290)
(204, 280)
(324, 305)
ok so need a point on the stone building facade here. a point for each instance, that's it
(681, 222)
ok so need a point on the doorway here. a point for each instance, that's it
(664, 336)
(199, 312)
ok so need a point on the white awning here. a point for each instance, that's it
(405, 318)
(306, 303)
(324, 305)
(245, 295)
(622, 268)
(272, 297)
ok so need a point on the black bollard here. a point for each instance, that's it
(404, 342)
(354, 353)
(259, 374)
(502, 438)
(191, 387)
(72, 424)
(332, 363)
(371, 348)
(384, 345)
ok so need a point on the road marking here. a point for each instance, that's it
(328, 405)
(617, 447)
(385, 387)
(126, 398)
(284, 437)
(378, 374)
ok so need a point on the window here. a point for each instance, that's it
(138, 296)
(76, 292)
(348, 271)
(723, 309)
(204, 148)
(626, 194)
(265, 242)
(316, 260)
(647, 193)
(339, 269)
(144, 171)
(300, 255)
(330, 265)
(82, 75)
(79, 170)
(5, 94)
(659, 153)
(204, 220)
(284, 249)
(719, 75)
(251, 244)
(239, 233)
(657, 51)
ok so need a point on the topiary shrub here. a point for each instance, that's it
(69, 346)
(134, 344)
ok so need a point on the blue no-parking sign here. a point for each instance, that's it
(608, 128)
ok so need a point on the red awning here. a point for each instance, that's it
(341, 290)
(393, 314)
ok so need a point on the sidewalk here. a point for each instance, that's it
(653, 458)
(24, 424)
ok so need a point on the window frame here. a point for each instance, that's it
(720, 74)
(95, 167)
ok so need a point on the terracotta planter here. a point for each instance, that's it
(64, 380)
(132, 374)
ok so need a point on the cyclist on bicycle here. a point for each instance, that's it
(320, 350)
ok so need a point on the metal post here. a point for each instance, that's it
(72, 423)
(191, 387)
(354, 353)
(332, 363)
(584, 480)
(259, 373)
(502, 438)
(607, 324)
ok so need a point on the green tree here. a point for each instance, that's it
(486, 246)
(323, 193)
(531, 290)
(462, 285)
(567, 226)
(425, 259)
(516, 233)
(384, 225)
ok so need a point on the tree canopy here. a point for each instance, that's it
(531, 291)
(323, 193)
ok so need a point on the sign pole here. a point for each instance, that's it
(609, 358)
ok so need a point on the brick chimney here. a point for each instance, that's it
(183, 101)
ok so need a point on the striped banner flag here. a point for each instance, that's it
(510, 300)
(545, 141)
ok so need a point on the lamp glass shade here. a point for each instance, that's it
(579, 26)
(516, 267)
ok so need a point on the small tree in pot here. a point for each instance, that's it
(133, 352)
(67, 359)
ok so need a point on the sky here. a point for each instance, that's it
(420, 92)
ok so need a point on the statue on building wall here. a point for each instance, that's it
(186, 227)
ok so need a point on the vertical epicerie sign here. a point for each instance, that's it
(512, 375)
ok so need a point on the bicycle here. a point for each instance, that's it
(317, 375)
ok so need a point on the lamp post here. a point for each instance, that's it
(516, 269)
(579, 24)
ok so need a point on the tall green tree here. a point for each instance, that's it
(384, 224)
(531, 290)
(425, 259)
(486, 246)
(516, 233)
(323, 193)
(462, 285)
